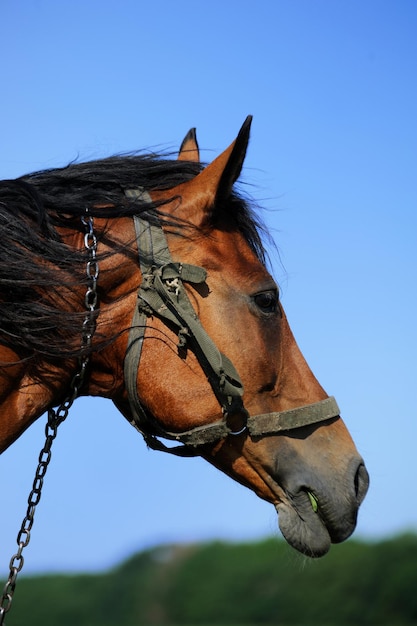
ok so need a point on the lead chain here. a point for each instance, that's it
(58, 415)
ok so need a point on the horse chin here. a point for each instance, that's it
(303, 530)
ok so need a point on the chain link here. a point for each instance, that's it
(58, 415)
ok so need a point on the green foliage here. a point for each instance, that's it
(357, 583)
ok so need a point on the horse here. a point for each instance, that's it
(143, 279)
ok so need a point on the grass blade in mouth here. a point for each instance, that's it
(314, 501)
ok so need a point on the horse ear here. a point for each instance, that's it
(189, 148)
(233, 159)
(213, 186)
(208, 192)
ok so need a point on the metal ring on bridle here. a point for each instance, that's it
(238, 432)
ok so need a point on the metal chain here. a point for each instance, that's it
(57, 416)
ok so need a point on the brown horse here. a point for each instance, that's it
(185, 330)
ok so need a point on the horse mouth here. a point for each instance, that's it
(305, 527)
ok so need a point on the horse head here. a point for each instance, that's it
(312, 473)
(192, 342)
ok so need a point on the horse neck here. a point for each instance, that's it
(29, 387)
(24, 396)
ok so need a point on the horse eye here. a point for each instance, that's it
(267, 301)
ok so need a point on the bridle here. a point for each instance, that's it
(162, 294)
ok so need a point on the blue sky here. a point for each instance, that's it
(332, 88)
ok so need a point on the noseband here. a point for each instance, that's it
(162, 294)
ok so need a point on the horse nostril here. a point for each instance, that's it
(361, 482)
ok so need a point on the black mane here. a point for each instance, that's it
(38, 270)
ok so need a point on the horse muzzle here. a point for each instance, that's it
(317, 512)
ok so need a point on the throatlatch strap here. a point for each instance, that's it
(137, 330)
